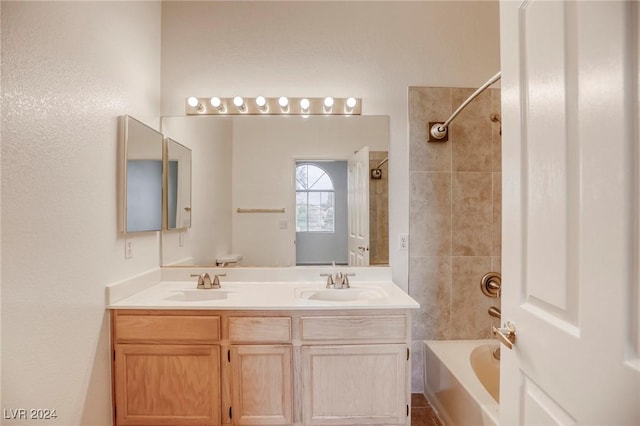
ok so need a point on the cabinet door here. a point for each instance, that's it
(354, 385)
(167, 385)
(261, 384)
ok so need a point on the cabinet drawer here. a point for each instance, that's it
(260, 329)
(354, 328)
(167, 329)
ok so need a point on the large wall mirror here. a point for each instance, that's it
(274, 189)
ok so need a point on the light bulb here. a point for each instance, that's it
(215, 102)
(283, 101)
(328, 102)
(238, 101)
(304, 104)
(193, 101)
(351, 102)
(261, 101)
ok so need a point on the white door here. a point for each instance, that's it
(570, 213)
(359, 208)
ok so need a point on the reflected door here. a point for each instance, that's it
(358, 193)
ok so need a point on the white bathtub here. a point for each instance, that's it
(452, 386)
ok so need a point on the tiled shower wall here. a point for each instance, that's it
(379, 210)
(455, 216)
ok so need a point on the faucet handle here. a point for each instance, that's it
(216, 280)
(330, 282)
(346, 278)
(204, 280)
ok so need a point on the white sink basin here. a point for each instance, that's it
(198, 295)
(359, 294)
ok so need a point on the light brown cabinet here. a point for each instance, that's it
(203, 367)
(167, 384)
(166, 368)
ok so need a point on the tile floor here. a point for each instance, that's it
(422, 414)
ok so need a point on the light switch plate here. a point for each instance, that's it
(404, 242)
(128, 249)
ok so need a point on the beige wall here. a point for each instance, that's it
(455, 215)
(69, 69)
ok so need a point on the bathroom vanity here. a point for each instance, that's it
(262, 353)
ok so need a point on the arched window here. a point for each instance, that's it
(315, 200)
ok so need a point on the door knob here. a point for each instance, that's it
(363, 248)
(506, 334)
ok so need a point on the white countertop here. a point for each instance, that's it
(267, 295)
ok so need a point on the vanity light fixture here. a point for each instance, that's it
(328, 104)
(349, 105)
(239, 103)
(216, 102)
(261, 105)
(283, 101)
(193, 101)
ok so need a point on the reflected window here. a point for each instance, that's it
(315, 200)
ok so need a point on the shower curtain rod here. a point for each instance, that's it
(382, 162)
(439, 130)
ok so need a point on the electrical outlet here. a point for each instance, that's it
(181, 239)
(128, 249)
(284, 224)
(404, 241)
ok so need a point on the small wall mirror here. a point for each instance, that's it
(141, 176)
(178, 184)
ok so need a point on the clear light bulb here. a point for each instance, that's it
(283, 101)
(215, 102)
(351, 102)
(304, 104)
(193, 101)
(328, 102)
(261, 101)
(238, 101)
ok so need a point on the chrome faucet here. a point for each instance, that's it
(340, 281)
(204, 280)
(330, 283)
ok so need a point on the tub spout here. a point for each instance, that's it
(495, 312)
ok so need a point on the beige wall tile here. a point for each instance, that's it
(496, 131)
(379, 211)
(472, 214)
(455, 214)
(497, 214)
(470, 133)
(430, 285)
(469, 306)
(428, 104)
(430, 214)
(496, 264)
